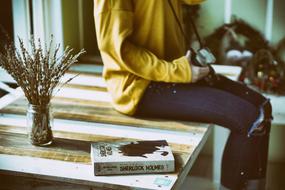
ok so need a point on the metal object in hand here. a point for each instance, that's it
(205, 57)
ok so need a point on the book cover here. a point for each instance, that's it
(134, 157)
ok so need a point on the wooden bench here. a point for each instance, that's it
(83, 114)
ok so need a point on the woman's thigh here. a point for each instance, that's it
(241, 90)
(194, 102)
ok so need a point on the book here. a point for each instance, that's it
(132, 157)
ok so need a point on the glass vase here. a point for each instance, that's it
(39, 124)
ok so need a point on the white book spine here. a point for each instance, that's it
(113, 168)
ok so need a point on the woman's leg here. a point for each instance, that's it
(194, 102)
(240, 168)
(243, 91)
(256, 167)
(240, 89)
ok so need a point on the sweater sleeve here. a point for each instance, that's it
(114, 25)
(192, 2)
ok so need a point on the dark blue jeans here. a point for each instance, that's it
(229, 104)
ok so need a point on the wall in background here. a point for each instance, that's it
(70, 21)
(6, 15)
(6, 21)
(79, 30)
(276, 144)
(210, 18)
(78, 25)
(212, 15)
(278, 21)
(254, 12)
(90, 43)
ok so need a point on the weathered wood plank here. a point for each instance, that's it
(118, 131)
(20, 132)
(105, 114)
(80, 86)
(78, 79)
(76, 173)
(11, 97)
(181, 158)
(78, 101)
(62, 149)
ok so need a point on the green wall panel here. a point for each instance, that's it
(278, 21)
(70, 23)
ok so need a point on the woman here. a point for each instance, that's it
(147, 74)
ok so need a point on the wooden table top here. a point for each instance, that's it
(83, 114)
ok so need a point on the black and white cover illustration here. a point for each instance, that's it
(131, 157)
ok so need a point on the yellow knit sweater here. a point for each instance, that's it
(139, 42)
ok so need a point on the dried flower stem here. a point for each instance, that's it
(38, 72)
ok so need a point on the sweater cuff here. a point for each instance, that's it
(187, 66)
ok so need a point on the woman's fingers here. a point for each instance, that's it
(199, 72)
(204, 71)
(188, 55)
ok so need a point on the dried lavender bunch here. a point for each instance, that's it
(37, 72)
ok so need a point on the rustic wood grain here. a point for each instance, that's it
(101, 112)
(78, 86)
(81, 137)
(70, 147)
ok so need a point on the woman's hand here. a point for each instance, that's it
(197, 72)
